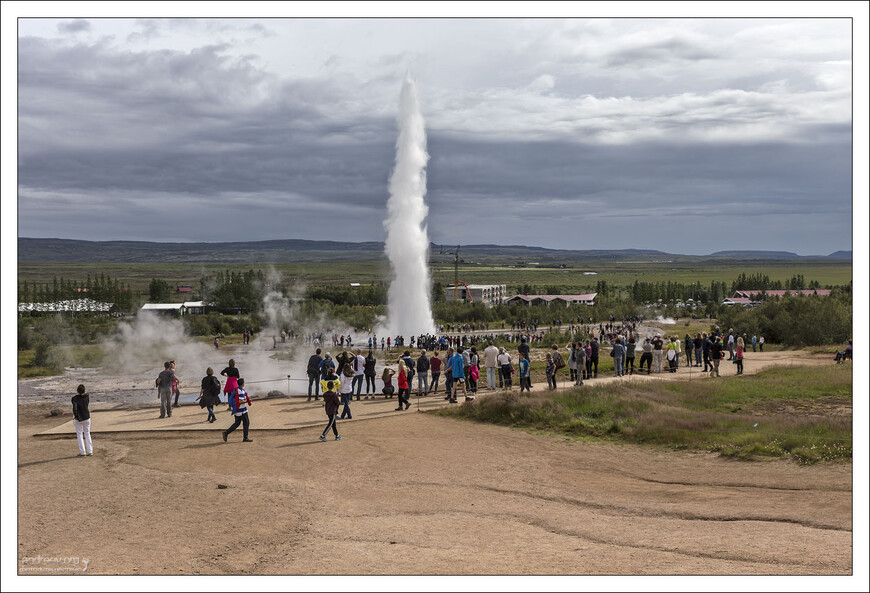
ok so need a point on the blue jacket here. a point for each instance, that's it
(457, 367)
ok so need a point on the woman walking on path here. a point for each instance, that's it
(739, 355)
(232, 375)
(330, 405)
(404, 388)
(82, 421)
(239, 402)
(209, 393)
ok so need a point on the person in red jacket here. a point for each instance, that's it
(404, 387)
(330, 404)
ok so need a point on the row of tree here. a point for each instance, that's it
(102, 288)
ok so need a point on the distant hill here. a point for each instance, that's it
(300, 250)
(841, 255)
(756, 254)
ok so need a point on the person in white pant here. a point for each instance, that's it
(490, 360)
(82, 421)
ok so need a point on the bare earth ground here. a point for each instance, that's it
(420, 494)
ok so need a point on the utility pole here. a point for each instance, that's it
(455, 269)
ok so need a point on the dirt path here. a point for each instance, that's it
(419, 494)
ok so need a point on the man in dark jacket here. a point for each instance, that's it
(330, 404)
(409, 362)
(314, 374)
(422, 374)
(706, 344)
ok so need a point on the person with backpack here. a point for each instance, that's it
(410, 365)
(239, 402)
(209, 393)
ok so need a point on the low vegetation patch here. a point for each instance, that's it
(731, 416)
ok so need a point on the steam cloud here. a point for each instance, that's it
(407, 244)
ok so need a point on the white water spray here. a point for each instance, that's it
(407, 244)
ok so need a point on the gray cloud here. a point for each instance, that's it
(74, 26)
(164, 143)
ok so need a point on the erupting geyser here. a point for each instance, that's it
(407, 244)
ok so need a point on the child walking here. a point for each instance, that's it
(330, 404)
(82, 421)
(239, 402)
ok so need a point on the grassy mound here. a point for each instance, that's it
(803, 413)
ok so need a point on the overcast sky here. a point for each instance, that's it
(687, 136)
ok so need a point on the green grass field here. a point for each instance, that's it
(782, 412)
(625, 274)
(341, 273)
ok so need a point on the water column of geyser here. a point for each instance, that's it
(407, 244)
